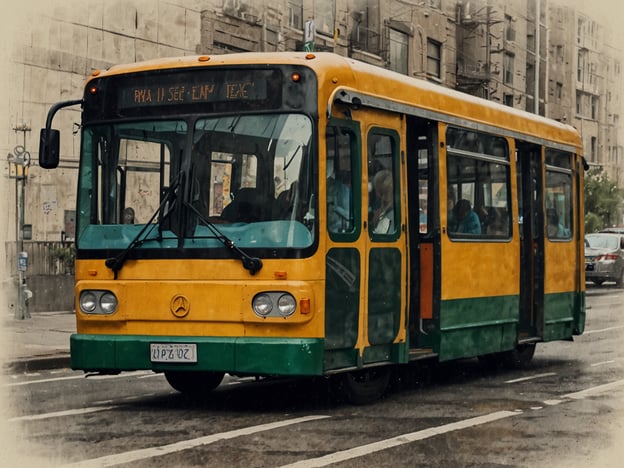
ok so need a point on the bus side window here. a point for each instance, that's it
(340, 218)
(382, 196)
(558, 194)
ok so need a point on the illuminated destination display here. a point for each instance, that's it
(195, 88)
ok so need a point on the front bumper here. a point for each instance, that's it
(236, 355)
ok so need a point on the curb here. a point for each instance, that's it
(38, 363)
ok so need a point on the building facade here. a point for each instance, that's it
(534, 55)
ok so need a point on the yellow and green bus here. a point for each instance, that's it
(293, 214)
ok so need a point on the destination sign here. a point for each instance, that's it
(194, 88)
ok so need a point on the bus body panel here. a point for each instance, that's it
(361, 296)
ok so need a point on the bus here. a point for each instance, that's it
(310, 215)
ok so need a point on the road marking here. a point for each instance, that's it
(602, 330)
(594, 390)
(75, 377)
(142, 454)
(362, 450)
(56, 414)
(531, 377)
(603, 363)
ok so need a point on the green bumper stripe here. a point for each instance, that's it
(279, 356)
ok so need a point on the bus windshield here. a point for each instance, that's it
(248, 176)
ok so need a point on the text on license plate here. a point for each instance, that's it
(173, 352)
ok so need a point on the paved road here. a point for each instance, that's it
(567, 409)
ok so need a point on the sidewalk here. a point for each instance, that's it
(40, 342)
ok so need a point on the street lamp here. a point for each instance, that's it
(19, 162)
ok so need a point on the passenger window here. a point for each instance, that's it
(478, 185)
(341, 144)
(383, 218)
(558, 195)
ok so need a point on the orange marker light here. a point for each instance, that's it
(296, 77)
(310, 56)
(203, 58)
(304, 306)
(93, 90)
(281, 275)
(92, 272)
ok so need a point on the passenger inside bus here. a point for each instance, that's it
(382, 220)
(128, 216)
(555, 228)
(339, 214)
(467, 220)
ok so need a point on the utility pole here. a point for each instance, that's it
(19, 162)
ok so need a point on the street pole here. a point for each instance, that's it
(19, 163)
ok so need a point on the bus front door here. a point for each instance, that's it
(531, 216)
(385, 251)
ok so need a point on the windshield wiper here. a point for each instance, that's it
(253, 264)
(116, 263)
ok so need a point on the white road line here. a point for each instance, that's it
(603, 363)
(401, 440)
(594, 390)
(75, 377)
(530, 377)
(57, 414)
(602, 330)
(142, 454)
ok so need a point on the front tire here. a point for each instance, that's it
(195, 384)
(367, 385)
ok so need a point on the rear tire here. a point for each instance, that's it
(519, 357)
(367, 385)
(195, 384)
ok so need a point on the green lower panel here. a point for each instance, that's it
(560, 319)
(277, 356)
(470, 327)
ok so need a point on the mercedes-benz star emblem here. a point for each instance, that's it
(180, 305)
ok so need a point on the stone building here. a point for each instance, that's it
(534, 55)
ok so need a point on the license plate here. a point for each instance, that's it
(173, 352)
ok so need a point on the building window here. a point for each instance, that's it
(594, 107)
(295, 14)
(580, 66)
(324, 13)
(508, 100)
(508, 67)
(365, 34)
(558, 92)
(559, 54)
(579, 103)
(434, 59)
(398, 51)
(592, 150)
(510, 33)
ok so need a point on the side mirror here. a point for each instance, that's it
(49, 144)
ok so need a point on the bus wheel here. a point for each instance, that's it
(367, 385)
(194, 384)
(519, 357)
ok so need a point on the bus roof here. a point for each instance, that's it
(381, 84)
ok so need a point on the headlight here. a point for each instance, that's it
(108, 303)
(274, 304)
(88, 302)
(262, 305)
(286, 305)
(98, 302)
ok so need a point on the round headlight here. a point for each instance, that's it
(88, 302)
(108, 303)
(262, 305)
(286, 305)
